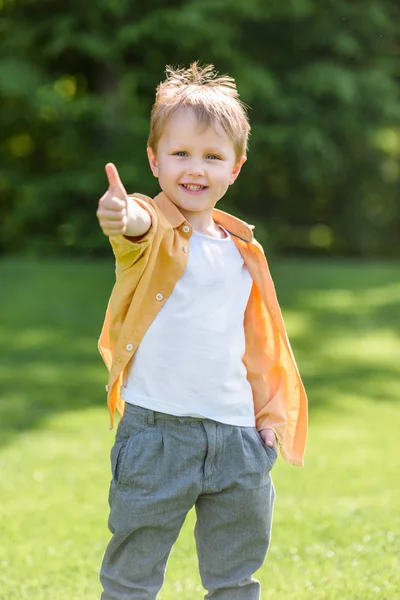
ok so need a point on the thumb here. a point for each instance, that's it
(268, 435)
(115, 182)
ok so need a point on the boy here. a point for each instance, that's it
(199, 361)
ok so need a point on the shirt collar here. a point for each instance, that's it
(232, 224)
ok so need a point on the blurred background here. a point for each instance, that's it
(321, 185)
(77, 83)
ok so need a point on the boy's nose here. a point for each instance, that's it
(195, 168)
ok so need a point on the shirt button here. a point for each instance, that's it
(129, 347)
(159, 297)
(185, 249)
(186, 228)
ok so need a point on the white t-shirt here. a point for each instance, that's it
(190, 359)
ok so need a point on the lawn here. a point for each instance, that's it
(336, 528)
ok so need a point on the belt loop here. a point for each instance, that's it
(150, 417)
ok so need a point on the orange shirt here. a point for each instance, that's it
(147, 269)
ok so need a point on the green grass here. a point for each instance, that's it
(336, 531)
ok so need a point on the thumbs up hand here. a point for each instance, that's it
(112, 212)
(117, 213)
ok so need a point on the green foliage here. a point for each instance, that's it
(77, 83)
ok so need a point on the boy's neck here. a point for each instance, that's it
(203, 222)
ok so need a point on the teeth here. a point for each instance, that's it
(193, 188)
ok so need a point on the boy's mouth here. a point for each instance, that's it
(193, 187)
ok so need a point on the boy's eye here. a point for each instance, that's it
(213, 157)
(180, 153)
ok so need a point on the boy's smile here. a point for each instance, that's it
(195, 164)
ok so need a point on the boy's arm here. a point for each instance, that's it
(119, 214)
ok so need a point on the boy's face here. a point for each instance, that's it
(195, 164)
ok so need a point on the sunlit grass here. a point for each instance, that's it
(336, 525)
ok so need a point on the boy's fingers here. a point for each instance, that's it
(114, 181)
(111, 215)
(268, 435)
(114, 203)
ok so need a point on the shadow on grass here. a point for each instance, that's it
(51, 315)
(343, 321)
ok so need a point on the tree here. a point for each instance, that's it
(77, 84)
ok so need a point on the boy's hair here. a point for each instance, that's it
(213, 98)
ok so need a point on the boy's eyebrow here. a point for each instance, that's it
(210, 150)
(213, 150)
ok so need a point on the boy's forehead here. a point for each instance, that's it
(181, 125)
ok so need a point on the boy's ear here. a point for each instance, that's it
(152, 161)
(236, 169)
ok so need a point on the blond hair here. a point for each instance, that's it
(214, 99)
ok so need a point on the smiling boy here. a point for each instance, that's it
(199, 362)
(195, 163)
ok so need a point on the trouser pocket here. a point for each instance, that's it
(269, 451)
(126, 442)
(117, 457)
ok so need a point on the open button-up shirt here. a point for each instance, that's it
(147, 269)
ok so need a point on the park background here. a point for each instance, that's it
(321, 185)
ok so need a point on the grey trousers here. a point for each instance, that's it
(164, 465)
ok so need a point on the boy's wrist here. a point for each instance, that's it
(138, 219)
